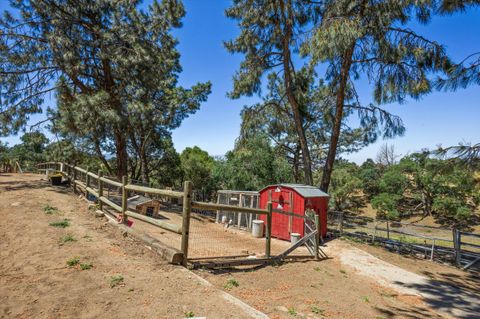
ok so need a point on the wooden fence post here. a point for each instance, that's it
(100, 190)
(317, 237)
(124, 200)
(388, 230)
(74, 180)
(268, 232)
(187, 208)
(87, 182)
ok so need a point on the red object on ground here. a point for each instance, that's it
(129, 223)
(294, 198)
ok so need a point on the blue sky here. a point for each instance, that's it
(438, 118)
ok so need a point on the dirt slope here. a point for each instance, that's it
(35, 281)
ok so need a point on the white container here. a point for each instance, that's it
(224, 219)
(257, 228)
(294, 238)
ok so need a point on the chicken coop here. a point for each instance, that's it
(297, 199)
(241, 199)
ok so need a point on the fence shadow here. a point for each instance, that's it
(301, 259)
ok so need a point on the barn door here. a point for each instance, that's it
(282, 225)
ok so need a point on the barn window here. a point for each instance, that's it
(150, 211)
(281, 202)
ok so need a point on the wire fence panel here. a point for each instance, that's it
(434, 243)
(210, 239)
(240, 199)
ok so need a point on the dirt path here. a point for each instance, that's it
(35, 281)
(447, 290)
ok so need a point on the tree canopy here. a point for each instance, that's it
(113, 67)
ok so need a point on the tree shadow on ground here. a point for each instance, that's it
(453, 294)
(12, 186)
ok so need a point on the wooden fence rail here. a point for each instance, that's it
(72, 172)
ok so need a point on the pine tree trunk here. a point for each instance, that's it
(296, 174)
(144, 166)
(121, 153)
(337, 125)
(289, 89)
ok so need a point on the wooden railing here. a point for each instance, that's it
(72, 171)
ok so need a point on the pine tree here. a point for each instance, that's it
(274, 117)
(269, 31)
(370, 38)
(461, 75)
(106, 59)
(272, 33)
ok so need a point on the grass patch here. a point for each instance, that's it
(316, 310)
(365, 298)
(93, 207)
(291, 311)
(116, 280)
(50, 210)
(231, 283)
(189, 314)
(60, 223)
(67, 238)
(86, 266)
(73, 261)
(343, 271)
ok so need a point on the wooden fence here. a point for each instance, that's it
(463, 249)
(84, 183)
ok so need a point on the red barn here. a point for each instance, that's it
(294, 198)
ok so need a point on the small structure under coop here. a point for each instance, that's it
(238, 198)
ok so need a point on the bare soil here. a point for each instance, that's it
(358, 281)
(36, 282)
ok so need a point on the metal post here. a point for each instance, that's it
(433, 249)
(374, 232)
(240, 204)
(341, 223)
(124, 200)
(268, 232)
(457, 246)
(187, 207)
(100, 190)
(317, 236)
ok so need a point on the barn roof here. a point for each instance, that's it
(138, 200)
(305, 191)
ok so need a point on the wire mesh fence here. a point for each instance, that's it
(434, 243)
(211, 239)
(240, 199)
